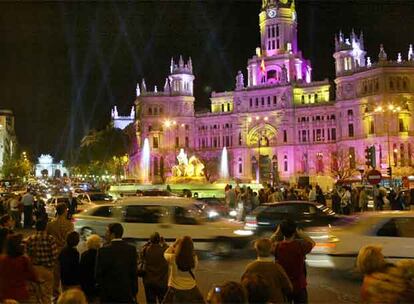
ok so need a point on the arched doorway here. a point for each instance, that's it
(261, 138)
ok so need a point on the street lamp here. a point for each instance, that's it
(390, 109)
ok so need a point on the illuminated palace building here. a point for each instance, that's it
(280, 124)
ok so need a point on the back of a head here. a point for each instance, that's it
(4, 219)
(370, 259)
(288, 228)
(184, 257)
(72, 239)
(116, 229)
(41, 225)
(233, 293)
(155, 238)
(61, 208)
(72, 296)
(263, 247)
(93, 241)
(258, 290)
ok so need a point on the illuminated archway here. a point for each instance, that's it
(266, 133)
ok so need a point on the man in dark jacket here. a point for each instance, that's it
(116, 268)
(156, 269)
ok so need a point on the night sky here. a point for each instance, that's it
(64, 65)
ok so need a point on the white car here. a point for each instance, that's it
(337, 247)
(94, 198)
(172, 217)
(52, 202)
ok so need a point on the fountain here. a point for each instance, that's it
(224, 165)
(145, 162)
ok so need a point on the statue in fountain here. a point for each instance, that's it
(189, 168)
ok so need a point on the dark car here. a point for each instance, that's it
(214, 207)
(265, 218)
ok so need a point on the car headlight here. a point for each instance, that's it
(213, 213)
(233, 213)
(243, 232)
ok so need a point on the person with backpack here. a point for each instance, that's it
(182, 261)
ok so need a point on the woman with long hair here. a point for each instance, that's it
(182, 285)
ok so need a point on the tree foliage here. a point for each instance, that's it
(102, 152)
(16, 166)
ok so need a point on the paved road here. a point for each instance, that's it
(324, 286)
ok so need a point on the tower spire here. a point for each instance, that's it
(143, 86)
(172, 65)
(137, 90)
(410, 53)
(181, 62)
(190, 64)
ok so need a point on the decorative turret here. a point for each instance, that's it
(167, 85)
(137, 90)
(143, 86)
(399, 58)
(278, 27)
(181, 77)
(349, 52)
(410, 53)
(132, 114)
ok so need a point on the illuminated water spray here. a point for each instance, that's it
(224, 164)
(145, 162)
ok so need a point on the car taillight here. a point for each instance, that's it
(251, 222)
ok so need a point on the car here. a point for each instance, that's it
(52, 202)
(337, 247)
(172, 217)
(265, 218)
(94, 197)
(214, 207)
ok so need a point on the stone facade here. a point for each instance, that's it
(7, 135)
(279, 124)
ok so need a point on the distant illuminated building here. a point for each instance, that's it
(281, 122)
(45, 167)
(121, 122)
(7, 135)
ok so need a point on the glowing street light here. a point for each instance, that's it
(167, 123)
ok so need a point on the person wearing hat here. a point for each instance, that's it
(154, 268)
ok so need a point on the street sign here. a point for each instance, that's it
(374, 177)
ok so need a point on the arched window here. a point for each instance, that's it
(155, 166)
(240, 165)
(285, 163)
(303, 99)
(150, 111)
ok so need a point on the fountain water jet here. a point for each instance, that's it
(224, 165)
(145, 162)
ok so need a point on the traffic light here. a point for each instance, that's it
(372, 155)
(367, 156)
(389, 171)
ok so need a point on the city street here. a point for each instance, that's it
(325, 286)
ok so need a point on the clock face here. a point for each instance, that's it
(271, 13)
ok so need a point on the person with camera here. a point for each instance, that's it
(291, 247)
(182, 261)
(153, 268)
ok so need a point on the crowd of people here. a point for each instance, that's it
(345, 199)
(50, 266)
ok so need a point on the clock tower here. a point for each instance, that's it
(278, 28)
